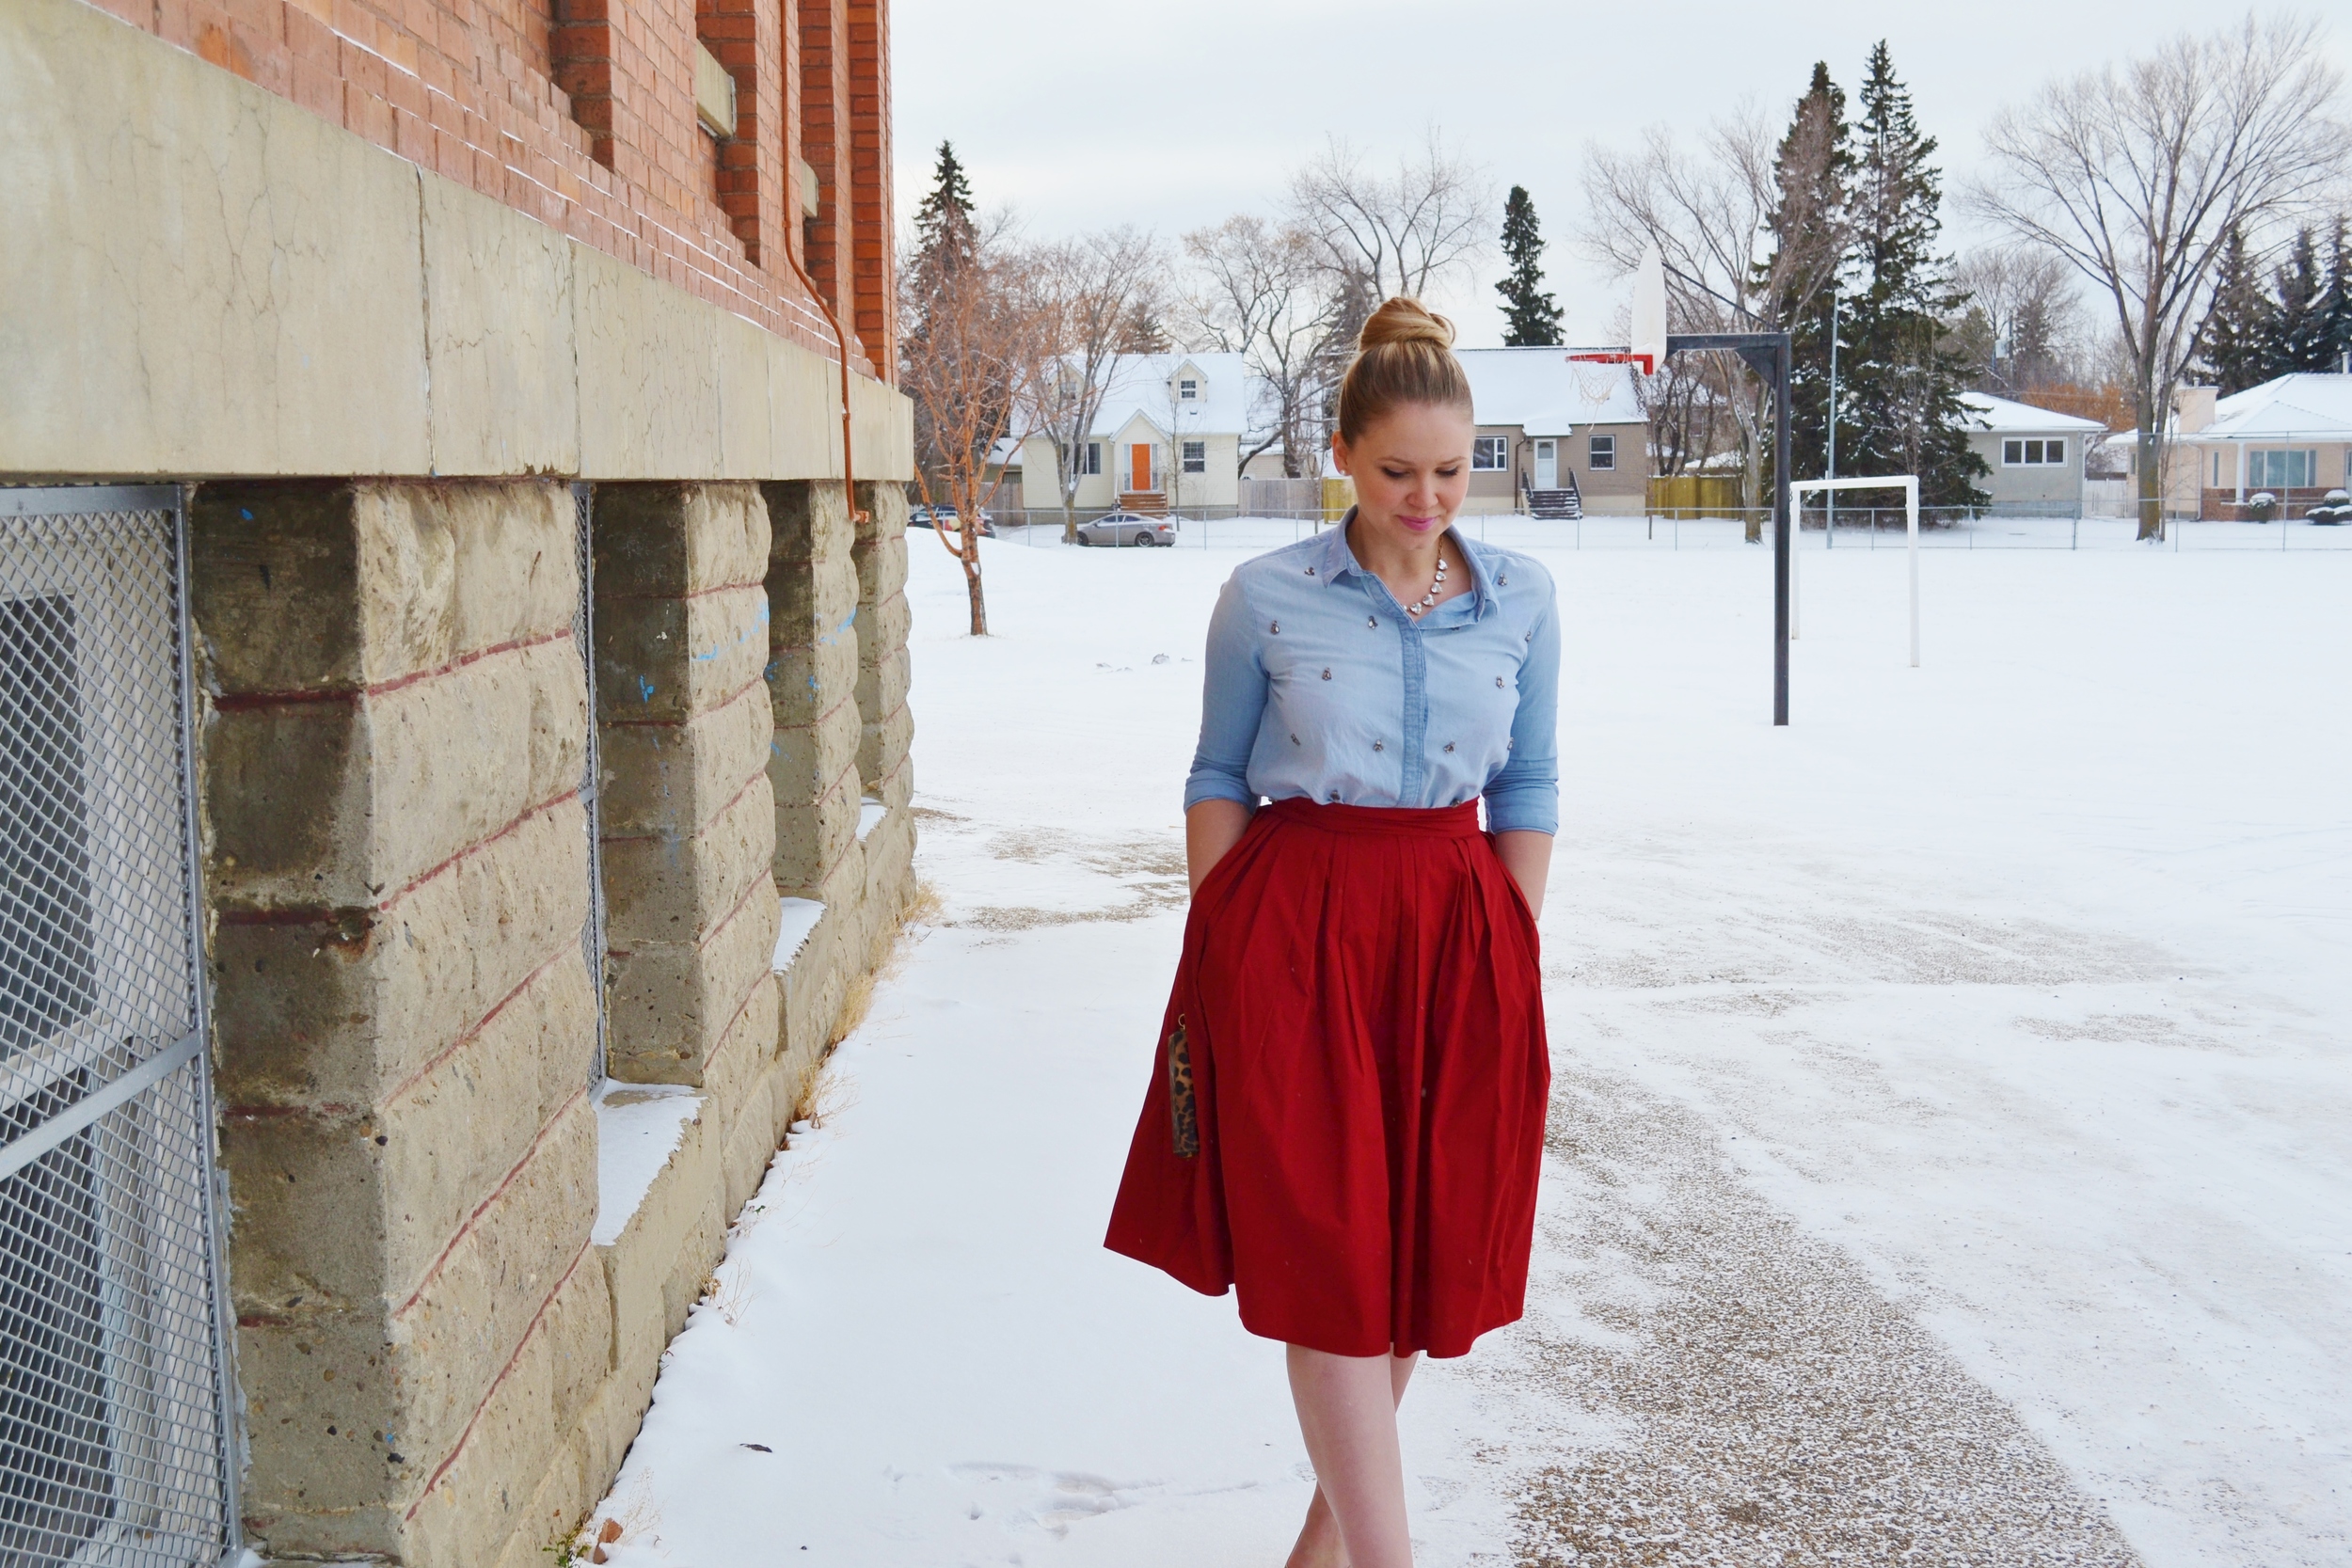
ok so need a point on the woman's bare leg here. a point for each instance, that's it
(1320, 1543)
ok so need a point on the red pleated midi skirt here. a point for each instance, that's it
(1345, 1119)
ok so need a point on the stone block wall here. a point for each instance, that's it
(445, 1346)
(397, 856)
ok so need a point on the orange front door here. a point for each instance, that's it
(1139, 466)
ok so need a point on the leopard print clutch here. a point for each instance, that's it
(1187, 1114)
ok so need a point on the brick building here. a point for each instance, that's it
(455, 734)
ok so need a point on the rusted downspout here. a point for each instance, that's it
(841, 344)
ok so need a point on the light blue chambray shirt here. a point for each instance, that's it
(1319, 685)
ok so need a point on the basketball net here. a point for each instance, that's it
(1598, 379)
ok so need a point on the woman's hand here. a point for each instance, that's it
(1211, 829)
(1527, 856)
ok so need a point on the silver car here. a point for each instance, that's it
(1127, 528)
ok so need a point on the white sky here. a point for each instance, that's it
(1169, 116)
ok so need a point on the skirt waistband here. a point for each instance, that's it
(1403, 822)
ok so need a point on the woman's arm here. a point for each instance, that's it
(1218, 798)
(1211, 829)
(1527, 856)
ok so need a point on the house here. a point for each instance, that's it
(2290, 437)
(1555, 436)
(2036, 456)
(453, 738)
(1166, 437)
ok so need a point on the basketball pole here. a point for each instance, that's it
(1768, 354)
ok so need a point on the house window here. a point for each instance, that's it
(1195, 457)
(1085, 459)
(2019, 453)
(1490, 454)
(1188, 389)
(1602, 453)
(2282, 470)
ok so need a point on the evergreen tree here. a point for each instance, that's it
(1812, 174)
(2297, 337)
(943, 223)
(1900, 378)
(1530, 317)
(2337, 302)
(2235, 339)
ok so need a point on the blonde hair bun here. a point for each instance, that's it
(1404, 319)
(1403, 354)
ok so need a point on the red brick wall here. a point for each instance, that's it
(581, 113)
(824, 77)
(873, 245)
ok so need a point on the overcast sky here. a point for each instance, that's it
(1081, 116)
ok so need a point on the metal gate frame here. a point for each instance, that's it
(584, 634)
(120, 1130)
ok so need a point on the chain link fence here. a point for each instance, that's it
(114, 1436)
(1861, 528)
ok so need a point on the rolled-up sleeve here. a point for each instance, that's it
(1525, 795)
(1232, 702)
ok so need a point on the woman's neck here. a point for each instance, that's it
(1407, 564)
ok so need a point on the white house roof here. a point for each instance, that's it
(2307, 405)
(2006, 417)
(1138, 384)
(1539, 390)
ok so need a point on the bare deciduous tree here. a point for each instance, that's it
(1096, 291)
(1707, 212)
(2023, 323)
(2136, 177)
(975, 345)
(1393, 234)
(1258, 290)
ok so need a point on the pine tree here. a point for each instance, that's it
(2235, 339)
(2297, 335)
(1531, 319)
(943, 223)
(2337, 302)
(1812, 172)
(1900, 376)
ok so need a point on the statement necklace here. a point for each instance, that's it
(1414, 610)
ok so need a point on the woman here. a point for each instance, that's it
(1346, 1115)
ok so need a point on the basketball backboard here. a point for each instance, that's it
(1646, 347)
(1649, 342)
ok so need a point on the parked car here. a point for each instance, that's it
(2336, 507)
(1125, 528)
(929, 516)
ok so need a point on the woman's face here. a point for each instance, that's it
(1411, 469)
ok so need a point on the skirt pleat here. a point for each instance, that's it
(1354, 1056)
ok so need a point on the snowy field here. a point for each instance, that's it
(1952, 1146)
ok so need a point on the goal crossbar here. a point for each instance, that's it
(1909, 485)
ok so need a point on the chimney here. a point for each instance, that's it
(2192, 409)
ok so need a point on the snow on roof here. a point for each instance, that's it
(2002, 413)
(1540, 391)
(2306, 405)
(1138, 384)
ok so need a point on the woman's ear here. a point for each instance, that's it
(1339, 453)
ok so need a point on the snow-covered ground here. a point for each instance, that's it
(1952, 1158)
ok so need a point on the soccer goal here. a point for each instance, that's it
(1908, 485)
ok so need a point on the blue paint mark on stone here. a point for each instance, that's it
(242, 512)
(645, 689)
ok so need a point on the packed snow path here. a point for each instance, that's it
(1949, 1152)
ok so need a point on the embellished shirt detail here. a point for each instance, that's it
(1309, 715)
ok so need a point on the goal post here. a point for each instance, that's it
(1908, 485)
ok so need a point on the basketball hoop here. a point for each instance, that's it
(1648, 347)
(1599, 376)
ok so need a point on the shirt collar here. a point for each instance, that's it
(1336, 560)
